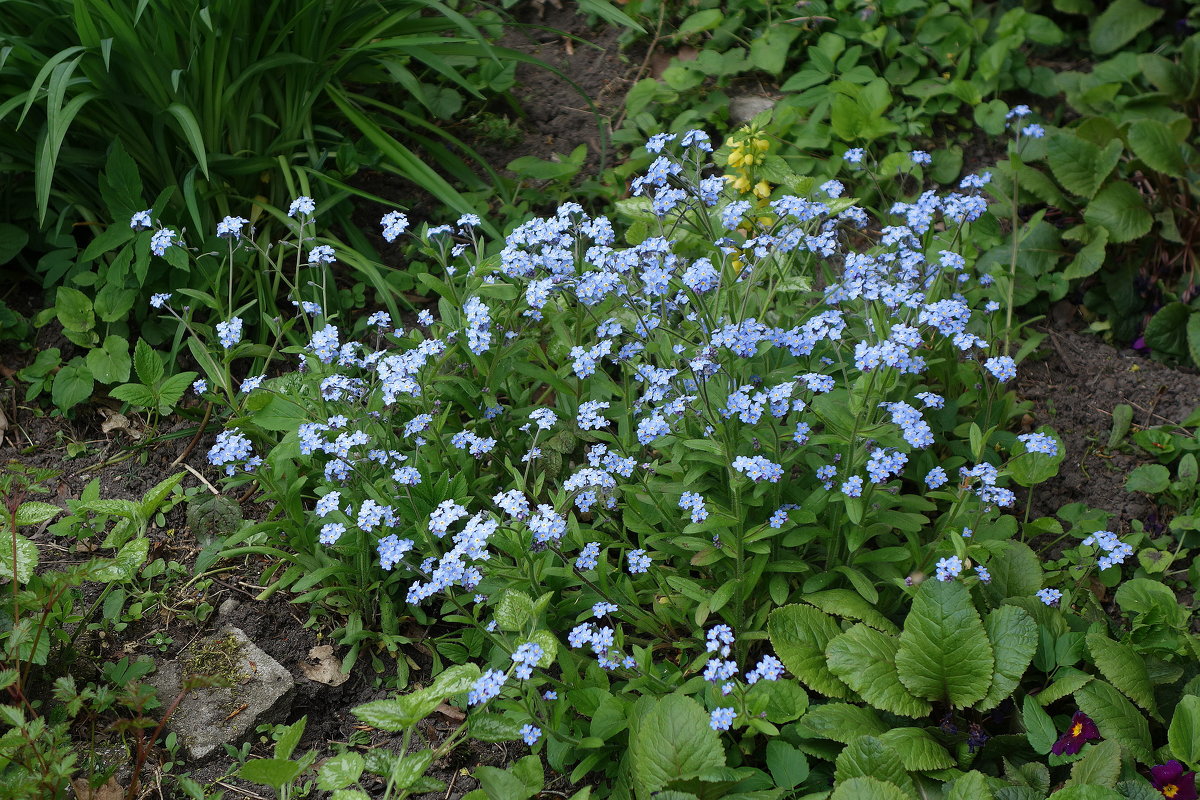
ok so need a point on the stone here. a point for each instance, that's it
(746, 107)
(259, 692)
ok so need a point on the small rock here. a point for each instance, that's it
(747, 107)
(227, 608)
(260, 692)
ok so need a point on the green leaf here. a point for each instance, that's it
(285, 745)
(135, 394)
(867, 756)
(1193, 337)
(110, 362)
(845, 603)
(74, 309)
(273, 772)
(147, 364)
(700, 21)
(1100, 766)
(72, 385)
(865, 659)
(35, 512)
(867, 788)
(12, 242)
(1068, 681)
(1119, 23)
(919, 751)
(1121, 665)
(787, 765)
(409, 768)
(1016, 572)
(340, 771)
(27, 557)
(499, 784)
(1153, 143)
(1039, 728)
(493, 728)
(1150, 478)
(1014, 638)
(1119, 208)
(1184, 734)
(1086, 793)
(972, 786)
(841, 722)
(800, 635)
(944, 651)
(1090, 258)
(514, 612)
(1079, 165)
(1167, 331)
(456, 679)
(399, 713)
(673, 742)
(171, 390)
(1117, 718)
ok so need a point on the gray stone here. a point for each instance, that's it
(747, 107)
(259, 692)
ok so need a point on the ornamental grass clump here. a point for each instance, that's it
(612, 449)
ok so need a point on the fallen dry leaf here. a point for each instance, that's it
(450, 711)
(114, 421)
(323, 666)
(111, 790)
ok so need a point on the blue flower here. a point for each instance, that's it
(722, 719)
(140, 220)
(161, 240)
(487, 687)
(854, 155)
(637, 562)
(231, 227)
(1039, 443)
(159, 300)
(302, 206)
(321, 254)
(200, 386)
(949, 568)
(588, 557)
(1003, 368)
(530, 734)
(1050, 597)
(920, 157)
(229, 333)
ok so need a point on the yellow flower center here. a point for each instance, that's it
(1078, 729)
(1170, 790)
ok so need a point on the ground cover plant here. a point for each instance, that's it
(686, 496)
(718, 489)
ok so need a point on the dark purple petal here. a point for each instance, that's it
(1166, 773)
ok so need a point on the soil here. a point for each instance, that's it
(1072, 384)
(1074, 387)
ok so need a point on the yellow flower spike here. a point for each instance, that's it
(762, 189)
(749, 160)
(761, 145)
(741, 184)
(736, 158)
(738, 265)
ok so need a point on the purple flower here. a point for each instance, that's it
(1081, 731)
(1173, 782)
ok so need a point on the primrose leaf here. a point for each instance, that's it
(866, 660)
(1118, 718)
(800, 636)
(673, 742)
(1014, 637)
(1123, 668)
(944, 651)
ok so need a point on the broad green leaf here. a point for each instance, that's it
(285, 745)
(411, 767)
(35, 512)
(1016, 572)
(72, 385)
(800, 635)
(456, 679)
(493, 728)
(1184, 733)
(944, 651)
(1167, 331)
(1090, 258)
(1153, 143)
(1119, 208)
(841, 722)
(1039, 728)
(1193, 337)
(514, 612)
(12, 242)
(1100, 766)
(845, 603)
(340, 771)
(27, 558)
(1068, 681)
(1150, 478)
(673, 742)
(1120, 22)
(1086, 793)
(865, 659)
(74, 309)
(1014, 637)
(110, 363)
(867, 756)
(1124, 669)
(867, 788)
(399, 713)
(1117, 718)
(273, 772)
(919, 751)
(972, 786)
(787, 765)
(1079, 165)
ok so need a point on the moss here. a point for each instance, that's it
(217, 659)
